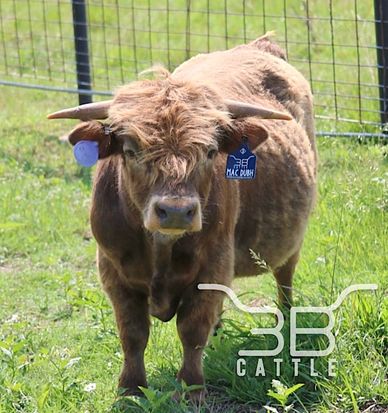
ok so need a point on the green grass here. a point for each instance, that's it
(57, 331)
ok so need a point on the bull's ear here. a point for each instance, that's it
(232, 138)
(97, 132)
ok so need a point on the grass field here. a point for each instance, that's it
(57, 331)
(59, 351)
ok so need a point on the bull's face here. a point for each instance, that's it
(168, 205)
(167, 136)
(169, 148)
(169, 185)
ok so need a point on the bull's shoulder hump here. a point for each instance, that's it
(241, 63)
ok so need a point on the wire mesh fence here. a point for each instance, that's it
(332, 42)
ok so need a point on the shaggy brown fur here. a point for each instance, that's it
(173, 122)
(165, 136)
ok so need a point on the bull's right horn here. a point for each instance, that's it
(97, 110)
(244, 110)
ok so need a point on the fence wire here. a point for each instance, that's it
(332, 42)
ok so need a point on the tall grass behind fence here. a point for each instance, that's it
(332, 42)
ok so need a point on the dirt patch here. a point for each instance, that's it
(8, 268)
(218, 403)
(372, 407)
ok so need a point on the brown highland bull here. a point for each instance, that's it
(163, 214)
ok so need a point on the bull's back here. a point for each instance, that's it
(246, 72)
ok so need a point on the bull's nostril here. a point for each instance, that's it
(174, 213)
(190, 213)
(160, 212)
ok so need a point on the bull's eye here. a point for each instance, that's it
(130, 153)
(130, 148)
(212, 153)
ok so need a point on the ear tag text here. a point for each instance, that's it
(86, 153)
(241, 164)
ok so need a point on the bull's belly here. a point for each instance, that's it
(273, 244)
(246, 264)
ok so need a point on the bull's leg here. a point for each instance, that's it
(196, 318)
(219, 323)
(131, 311)
(283, 277)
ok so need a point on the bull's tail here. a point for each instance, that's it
(266, 44)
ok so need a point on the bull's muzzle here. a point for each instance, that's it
(173, 215)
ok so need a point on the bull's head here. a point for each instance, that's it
(167, 135)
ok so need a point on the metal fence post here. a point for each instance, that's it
(381, 18)
(81, 45)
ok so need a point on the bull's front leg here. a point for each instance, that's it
(131, 312)
(197, 316)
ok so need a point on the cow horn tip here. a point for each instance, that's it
(57, 115)
(286, 116)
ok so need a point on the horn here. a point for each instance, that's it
(97, 110)
(244, 110)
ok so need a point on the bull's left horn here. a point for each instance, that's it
(244, 110)
(97, 110)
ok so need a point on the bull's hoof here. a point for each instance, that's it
(129, 385)
(129, 391)
(196, 397)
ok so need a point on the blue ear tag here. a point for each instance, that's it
(241, 164)
(86, 153)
